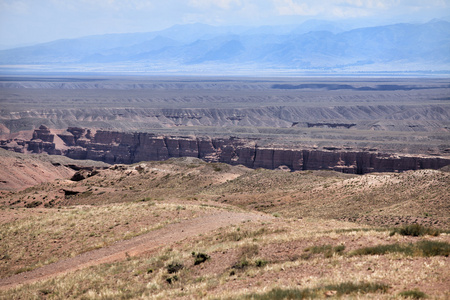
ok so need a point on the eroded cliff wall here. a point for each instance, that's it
(121, 147)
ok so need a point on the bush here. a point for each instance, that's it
(416, 230)
(346, 288)
(341, 289)
(200, 258)
(171, 280)
(422, 248)
(174, 267)
(33, 204)
(414, 294)
(241, 264)
(327, 250)
(260, 263)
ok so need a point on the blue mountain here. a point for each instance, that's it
(313, 45)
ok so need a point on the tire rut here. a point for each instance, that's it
(138, 245)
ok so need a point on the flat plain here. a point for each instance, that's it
(405, 115)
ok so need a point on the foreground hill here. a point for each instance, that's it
(184, 228)
(20, 171)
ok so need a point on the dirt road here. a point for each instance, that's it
(135, 246)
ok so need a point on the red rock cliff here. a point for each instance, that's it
(120, 147)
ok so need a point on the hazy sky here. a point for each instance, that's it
(32, 21)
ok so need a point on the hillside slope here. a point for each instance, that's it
(226, 232)
(20, 171)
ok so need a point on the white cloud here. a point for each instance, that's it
(354, 8)
(291, 7)
(14, 6)
(222, 4)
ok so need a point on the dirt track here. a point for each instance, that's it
(138, 245)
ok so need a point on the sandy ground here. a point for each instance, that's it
(135, 246)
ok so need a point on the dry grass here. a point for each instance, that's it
(60, 233)
(305, 249)
(218, 278)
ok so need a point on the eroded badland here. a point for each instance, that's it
(263, 188)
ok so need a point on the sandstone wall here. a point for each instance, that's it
(121, 147)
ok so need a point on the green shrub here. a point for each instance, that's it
(327, 250)
(172, 279)
(241, 264)
(341, 289)
(434, 248)
(422, 248)
(33, 204)
(414, 294)
(346, 288)
(416, 230)
(216, 168)
(280, 294)
(174, 267)
(261, 263)
(200, 258)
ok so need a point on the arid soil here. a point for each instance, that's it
(146, 243)
(17, 172)
(120, 232)
(21, 171)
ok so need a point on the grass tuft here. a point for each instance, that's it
(416, 230)
(345, 288)
(413, 294)
(422, 248)
(327, 251)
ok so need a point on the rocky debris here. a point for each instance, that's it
(70, 192)
(127, 148)
(283, 168)
(83, 174)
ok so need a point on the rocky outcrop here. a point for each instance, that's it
(126, 148)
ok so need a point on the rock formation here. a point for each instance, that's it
(126, 148)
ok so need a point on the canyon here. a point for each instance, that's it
(115, 147)
(352, 125)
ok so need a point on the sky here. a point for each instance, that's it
(25, 22)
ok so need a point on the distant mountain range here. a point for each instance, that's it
(314, 45)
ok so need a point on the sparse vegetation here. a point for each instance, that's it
(327, 250)
(261, 262)
(416, 230)
(338, 290)
(51, 236)
(246, 259)
(200, 258)
(33, 204)
(422, 248)
(174, 267)
(413, 294)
